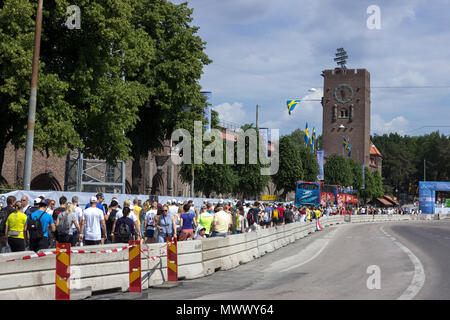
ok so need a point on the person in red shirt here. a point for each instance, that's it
(280, 213)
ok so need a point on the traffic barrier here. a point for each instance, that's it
(101, 270)
(134, 258)
(62, 282)
(172, 260)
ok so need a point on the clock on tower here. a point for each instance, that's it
(346, 112)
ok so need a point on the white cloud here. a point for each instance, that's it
(232, 112)
(266, 52)
(380, 126)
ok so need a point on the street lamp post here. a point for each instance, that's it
(33, 98)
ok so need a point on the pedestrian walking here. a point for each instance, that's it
(93, 223)
(222, 223)
(15, 225)
(124, 228)
(205, 220)
(64, 222)
(187, 223)
(149, 224)
(37, 228)
(166, 225)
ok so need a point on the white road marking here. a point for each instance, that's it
(319, 245)
(418, 279)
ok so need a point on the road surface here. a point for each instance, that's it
(396, 260)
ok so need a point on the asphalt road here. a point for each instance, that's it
(397, 260)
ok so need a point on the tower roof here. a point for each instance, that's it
(374, 151)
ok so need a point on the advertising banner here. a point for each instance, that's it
(319, 159)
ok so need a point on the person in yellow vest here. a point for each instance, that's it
(308, 214)
(14, 228)
(205, 220)
(317, 212)
(238, 221)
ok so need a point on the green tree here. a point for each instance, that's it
(337, 171)
(54, 130)
(171, 76)
(115, 89)
(251, 182)
(310, 166)
(290, 166)
(356, 174)
(378, 190)
(369, 186)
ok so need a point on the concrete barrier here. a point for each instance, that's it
(35, 279)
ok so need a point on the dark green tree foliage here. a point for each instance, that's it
(251, 182)
(337, 170)
(55, 116)
(369, 190)
(290, 166)
(83, 102)
(357, 175)
(403, 159)
(378, 191)
(310, 166)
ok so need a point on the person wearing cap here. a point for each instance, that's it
(34, 207)
(46, 222)
(92, 224)
(99, 198)
(201, 233)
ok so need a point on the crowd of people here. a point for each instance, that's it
(40, 226)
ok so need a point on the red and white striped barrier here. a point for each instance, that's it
(35, 255)
(44, 254)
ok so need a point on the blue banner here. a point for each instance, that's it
(319, 159)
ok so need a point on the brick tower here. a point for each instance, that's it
(346, 113)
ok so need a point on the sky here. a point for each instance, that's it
(265, 52)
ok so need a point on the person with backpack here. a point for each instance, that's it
(14, 228)
(111, 218)
(64, 223)
(123, 228)
(56, 212)
(253, 216)
(289, 215)
(37, 228)
(4, 214)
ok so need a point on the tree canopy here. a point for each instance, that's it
(115, 88)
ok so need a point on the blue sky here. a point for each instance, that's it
(266, 52)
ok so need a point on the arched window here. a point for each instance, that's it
(343, 114)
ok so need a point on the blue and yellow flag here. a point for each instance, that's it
(307, 137)
(347, 147)
(313, 137)
(291, 105)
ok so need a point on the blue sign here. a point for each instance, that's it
(427, 194)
